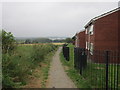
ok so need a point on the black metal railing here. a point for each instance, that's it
(100, 68)
(80, 59)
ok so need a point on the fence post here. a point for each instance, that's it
(81, 60)
(107, 61)
(66, 52)
(74, 57)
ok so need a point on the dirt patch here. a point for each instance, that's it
(34, 80)
(66, 68)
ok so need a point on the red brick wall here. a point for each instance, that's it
(119, 31)
(82, 39)
(106, 32)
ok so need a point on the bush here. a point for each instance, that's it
(40, 51)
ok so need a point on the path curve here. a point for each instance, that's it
(57, 76)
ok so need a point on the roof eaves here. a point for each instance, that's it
(100, 16)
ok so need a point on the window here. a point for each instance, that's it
(86, 31)
(91, 30)
(91, 48)
(88, 45)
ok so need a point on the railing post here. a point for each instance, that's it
(74, 57)
(107, 68)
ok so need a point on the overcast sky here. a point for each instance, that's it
(42, 19)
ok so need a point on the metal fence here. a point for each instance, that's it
(101, 68)
(80, 59)
(66, 52)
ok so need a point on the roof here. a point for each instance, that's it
(105, 14)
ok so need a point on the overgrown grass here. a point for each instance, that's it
(79, 81)
(22, 62)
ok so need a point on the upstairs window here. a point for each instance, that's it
(91, 30)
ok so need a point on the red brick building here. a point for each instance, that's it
(80, 39)
(102, 32)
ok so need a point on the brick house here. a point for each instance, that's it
(80, 39)
(102, 32)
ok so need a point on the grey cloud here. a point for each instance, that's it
(50, 19)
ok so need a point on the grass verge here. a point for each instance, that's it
(79, 81)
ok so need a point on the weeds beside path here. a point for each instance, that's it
(40, 75)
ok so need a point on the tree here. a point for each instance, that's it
(28, 41)
(68, 40)
(34, 41)
(8, 42)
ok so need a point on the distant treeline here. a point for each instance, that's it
(42, 40)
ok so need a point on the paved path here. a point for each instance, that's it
(57, 76)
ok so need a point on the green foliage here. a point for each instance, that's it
(41, 50)
(28, 41)
(7, 81)
(18, 66)
(68, 40)
(43, 40)
(58, 40)
(8, 42)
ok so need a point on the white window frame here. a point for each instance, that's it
(91, 29)
(86, 31)
(88, 45)
(77, 41)
(91, 48)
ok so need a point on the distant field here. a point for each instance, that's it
(43, 44)
(58, 43)
(34, 44)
